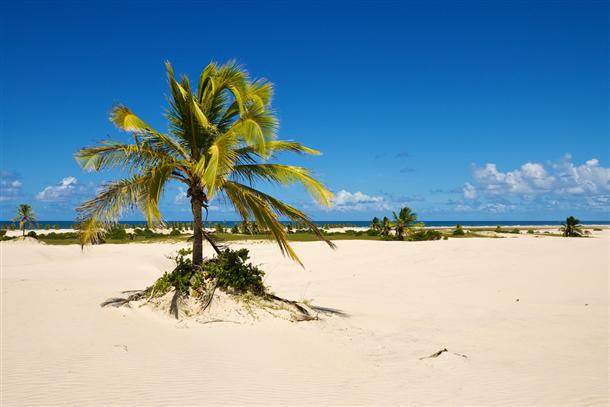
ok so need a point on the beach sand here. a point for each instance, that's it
(531, 315)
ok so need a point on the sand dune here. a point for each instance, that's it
(531, 315)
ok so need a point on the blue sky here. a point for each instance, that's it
(460, 110)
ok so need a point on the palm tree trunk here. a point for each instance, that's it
(196, 205)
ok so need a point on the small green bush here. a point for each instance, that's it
(116, 233)
(372, 232)
(421, 235)
(33, 234)
(145, 233)
(56, 227)
(179, 278)
(530, 231)
(597, 229)
(445, 237)
(235, 229)
(2, 233)
(59, 236)
(458, 231)
(515, 231)
(47, 227)
(230, 270)
(175, 232)
(233, 273)
(11, 226)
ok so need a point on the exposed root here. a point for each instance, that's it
(210, 298)
(118, 302)
(231, 307)
(173, 308)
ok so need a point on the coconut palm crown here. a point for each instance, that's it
(404, 220)
(25, 216)
(572, 227)
(222, 136)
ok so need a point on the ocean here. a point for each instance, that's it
(66, 224)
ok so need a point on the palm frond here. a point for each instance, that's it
(220, 160)
(103, 210)
(251, 203)
(272, 148)
(284, 174)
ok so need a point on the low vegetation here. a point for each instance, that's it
(572, 228)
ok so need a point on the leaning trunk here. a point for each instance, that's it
(196, 205)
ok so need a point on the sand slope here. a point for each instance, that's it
(403, 300)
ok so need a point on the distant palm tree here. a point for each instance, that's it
(404, 220)
(572, 228)
(376, 224)
(386, 226)
(222, 134)
(25, 215)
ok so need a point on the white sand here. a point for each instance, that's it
(404, 300)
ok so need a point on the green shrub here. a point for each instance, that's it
(218, 228)
(145, 232)
(175, 232)
(230, 270)
(56, 227)
(59, 236)
(458, 230)
(420, 235)
(11, 226)
(597, 229)
(232, 273)
(530, 231)
(445, 237)
(2, 233)
(372, 232)
(515, 231)
(47, 227)
(181, 278)
(235, 229)
(116, 233)
(33, 234)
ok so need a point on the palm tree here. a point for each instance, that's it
(386, 226)
(25, 215)
(404, 220)
(572, 228)
(376, 224)
(221, 137)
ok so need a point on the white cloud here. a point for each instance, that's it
(470, 192)
(60, 192)
(492, 207)
(357, 201)
(180, 196)
(529, 178)
(560, 184)
(533, 178)
(10, 186)
(588, 178)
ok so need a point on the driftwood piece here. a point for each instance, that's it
(434, 355)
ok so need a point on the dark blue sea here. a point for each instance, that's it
(66, 224)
